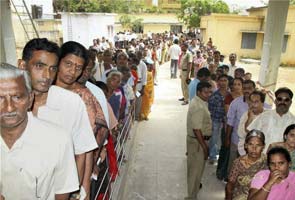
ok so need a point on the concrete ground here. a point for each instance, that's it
(156, 168)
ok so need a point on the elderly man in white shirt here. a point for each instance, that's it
(232, 65)
(274, 122)
(37, 157)
(256, 102)
(57, 105)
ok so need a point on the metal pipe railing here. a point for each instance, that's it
(120, 152)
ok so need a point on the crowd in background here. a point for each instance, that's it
(85, 97)
(229, 122)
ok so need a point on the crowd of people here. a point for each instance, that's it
(62, 109)
(230, 125)
(63, 112)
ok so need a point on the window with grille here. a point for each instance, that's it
(285, 41)
(249, 40)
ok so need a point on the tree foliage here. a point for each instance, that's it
(135, 24)
(125, 21)
(192, 10)
(108, 6)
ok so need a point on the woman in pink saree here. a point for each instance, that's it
(277, 183)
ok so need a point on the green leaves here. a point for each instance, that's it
(106, 6)
(127, 22)
(192, 10)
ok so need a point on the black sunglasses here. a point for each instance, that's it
(285, 99)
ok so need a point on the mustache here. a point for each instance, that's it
(48, 81)
(281, 104)
(11, 114)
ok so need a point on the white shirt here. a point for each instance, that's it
(99, 69)
(272, 125)
(68, 110)
(232, 69)
(242, 133)
(142, 75)
(40, 163)
(104, 74)
(121, 37)
(104, 45)
(174, 52)
(100, 97)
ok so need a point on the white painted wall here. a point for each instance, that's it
(84, 27)
(46, 5)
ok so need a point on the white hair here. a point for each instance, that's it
(8, 71)
(114, 73)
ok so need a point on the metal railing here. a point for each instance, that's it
(120, 155)
(25, 13)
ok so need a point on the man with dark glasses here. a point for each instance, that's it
(274, 122)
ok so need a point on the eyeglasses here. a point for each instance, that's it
(285, 99)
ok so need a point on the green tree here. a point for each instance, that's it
(109, 6)
(292, 2)
(192, 10)
(137, 25)
(125, 21)
(76, 5)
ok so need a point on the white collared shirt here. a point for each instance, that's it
(40, 164)
(242, 133)
(99, 69)
(68, 110)
(142, 75)
(232, 69)
(174, 52)
(104, 74)
(272, 125)
(100, 97)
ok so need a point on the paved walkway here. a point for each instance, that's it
(157, 164)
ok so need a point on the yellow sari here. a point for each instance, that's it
(148, 96)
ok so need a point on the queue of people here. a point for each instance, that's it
(231, 126)
(62, 110)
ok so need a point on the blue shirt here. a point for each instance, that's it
(236, 109)
(192, 88)
(216, 107)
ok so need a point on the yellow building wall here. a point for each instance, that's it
(168, 4)
(50, 29)
(156, 28)
(148, 2)
(226, 33)
(288, 57)
(156, 23)
(19, 34)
